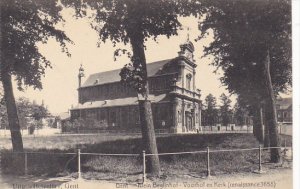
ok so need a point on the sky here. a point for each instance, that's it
(60, 83)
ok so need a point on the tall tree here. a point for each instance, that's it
(134, 22)
(210, 112)
(26, 110)
(253, 47)
(23, 24)
(225, 109)
(3, 113)
(248, 105)
(23, 108)
(240, 111)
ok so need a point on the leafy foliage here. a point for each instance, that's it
(23, 24)
(122, 20)
(225, 109)
(26, 111)
(77, 125)
(133, 77)
(244, 30)
(210, 112)
(116, 17)
(240, 111)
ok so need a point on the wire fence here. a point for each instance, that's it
(76, 157)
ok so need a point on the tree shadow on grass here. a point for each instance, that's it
(55, 163)
(172, 143)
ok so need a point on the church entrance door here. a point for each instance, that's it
(188, 121)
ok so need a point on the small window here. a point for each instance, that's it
(113, 118)
(188, 81)
(136, 115)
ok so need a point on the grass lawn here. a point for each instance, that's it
(62, 142)
(130, 168)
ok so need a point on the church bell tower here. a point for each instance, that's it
(80, 75)
(186, 50)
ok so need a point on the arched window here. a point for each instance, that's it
(188, 81)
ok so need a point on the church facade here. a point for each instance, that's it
(175, 100)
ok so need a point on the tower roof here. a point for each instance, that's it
(189, 45)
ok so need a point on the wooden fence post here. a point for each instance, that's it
(260, 170)
(260, 166)
(79, 164)
(144, 166)
(208, 166)
(26, 163)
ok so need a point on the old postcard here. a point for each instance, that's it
(149, 94)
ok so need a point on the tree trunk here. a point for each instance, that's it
(260, 126)
(255, 124)
(146, 119)
(266, 134)
(13, 120)
(266, 129)
(148, 134)
(270, 113)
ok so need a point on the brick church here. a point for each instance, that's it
(176, 104)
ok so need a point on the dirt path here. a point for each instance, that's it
(278, 179)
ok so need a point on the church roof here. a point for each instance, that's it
(113, 75)
(118, 102)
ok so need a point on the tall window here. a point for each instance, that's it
(113, 118)
(179, 116)
(188, 81)
(136, 116)
(91, 114)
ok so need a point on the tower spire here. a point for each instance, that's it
(80, 75)
(187, 48)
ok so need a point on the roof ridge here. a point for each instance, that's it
(121, 68)
(113, 75)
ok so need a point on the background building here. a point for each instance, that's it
(284, 108)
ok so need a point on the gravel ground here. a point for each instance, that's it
(277, 178)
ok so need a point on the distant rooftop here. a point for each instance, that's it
(284, 103)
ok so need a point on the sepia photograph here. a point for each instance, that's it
(152, 94)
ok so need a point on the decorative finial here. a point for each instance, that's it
(188, 34)
(81, 71)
